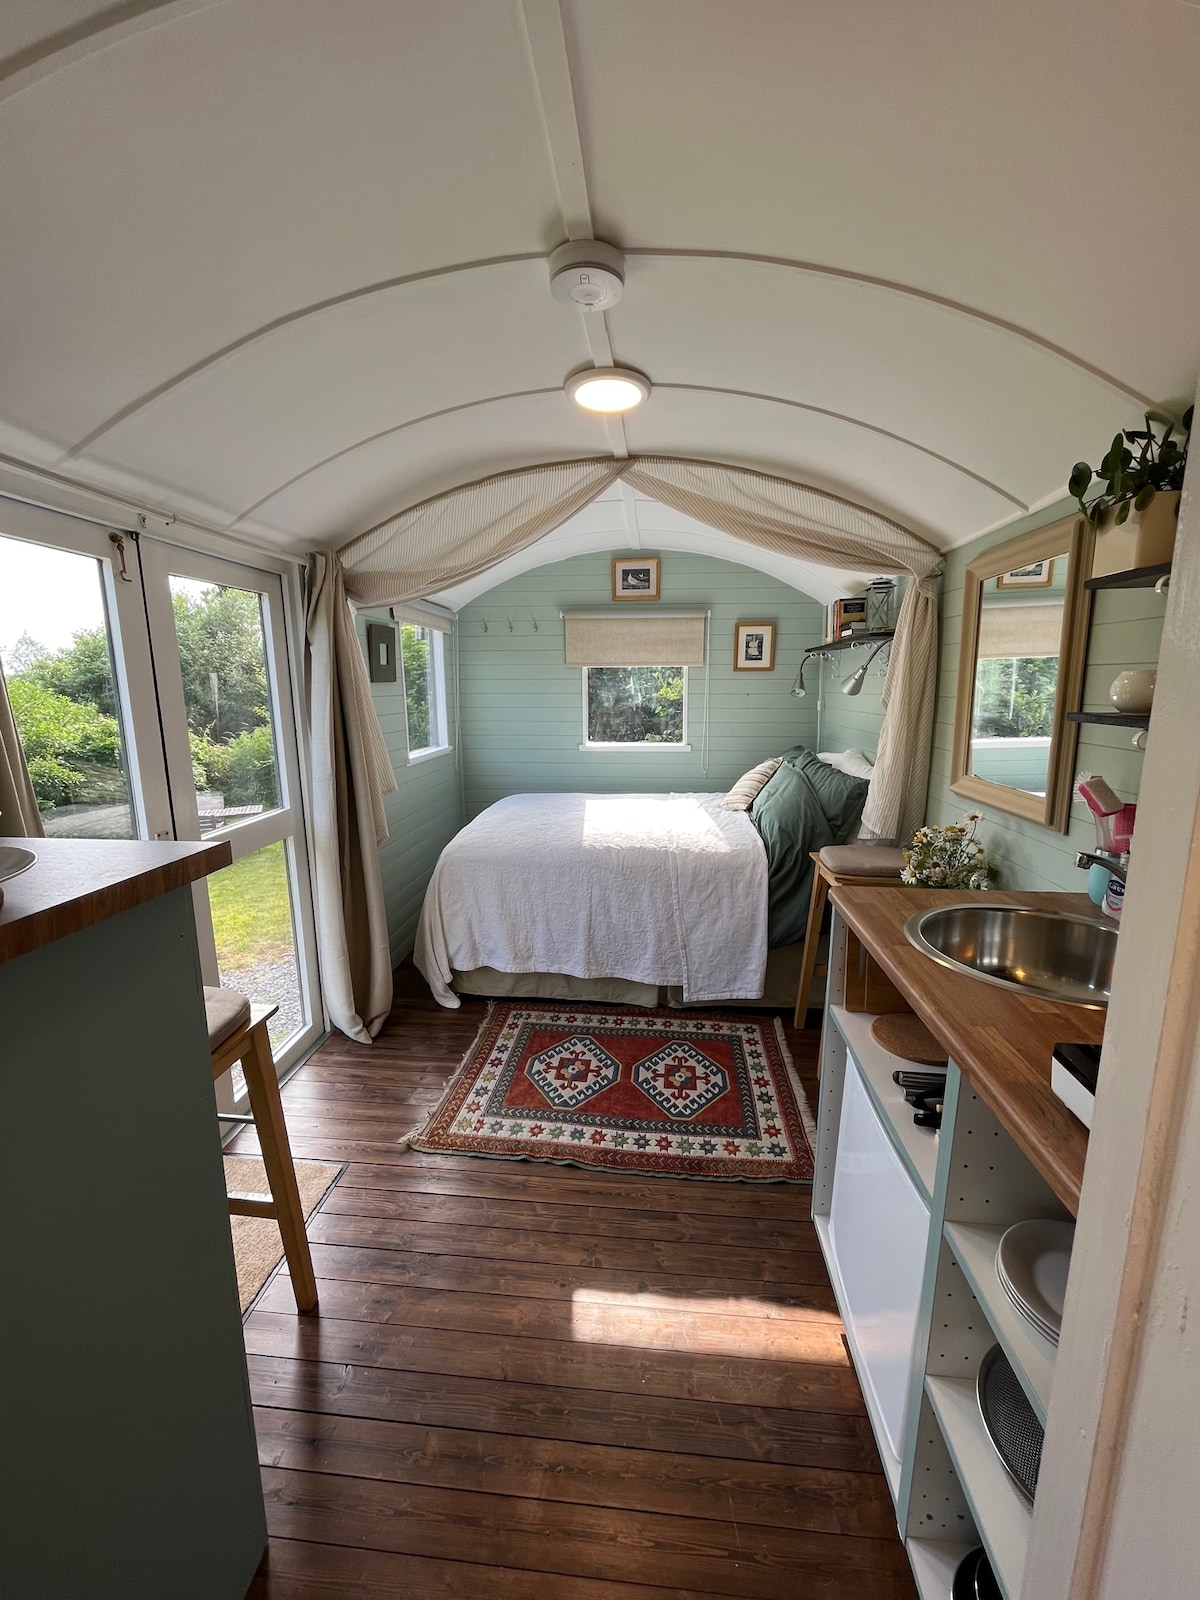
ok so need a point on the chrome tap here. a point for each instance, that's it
(1113, 864)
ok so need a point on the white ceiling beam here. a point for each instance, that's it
(547, 45)
(550, 65)
(100, 31)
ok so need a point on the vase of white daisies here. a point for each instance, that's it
(948, 857)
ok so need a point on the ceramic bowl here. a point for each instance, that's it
(1133, 691)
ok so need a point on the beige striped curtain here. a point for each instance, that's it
(456, 535)
(352, 773)
(19, 814)
(797, 520)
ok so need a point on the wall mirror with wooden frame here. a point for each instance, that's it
(1020, 671)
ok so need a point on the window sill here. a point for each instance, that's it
(629, 749)
(415, 757)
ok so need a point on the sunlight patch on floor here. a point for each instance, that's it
(718, 1326)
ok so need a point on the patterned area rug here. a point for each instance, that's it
(677, 1093)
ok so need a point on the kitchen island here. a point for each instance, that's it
(132, 1468)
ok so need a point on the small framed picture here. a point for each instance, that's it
(1037, 575)
(754, 647)
(381, 652)
(635, 578)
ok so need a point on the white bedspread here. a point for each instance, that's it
(655, 888)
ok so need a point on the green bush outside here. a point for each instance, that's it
(64, 703)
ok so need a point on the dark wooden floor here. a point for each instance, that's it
(532, 1381)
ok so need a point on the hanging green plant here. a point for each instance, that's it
(1140, 462)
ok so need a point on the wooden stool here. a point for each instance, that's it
(237, 1031)
(833, 866)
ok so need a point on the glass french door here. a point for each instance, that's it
(77, 660)
(151, 691)
(218, 634)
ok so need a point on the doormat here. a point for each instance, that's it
(677, 1094)
(257, 1244)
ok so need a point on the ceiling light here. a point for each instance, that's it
(608, 389)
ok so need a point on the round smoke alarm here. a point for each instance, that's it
(587, 274)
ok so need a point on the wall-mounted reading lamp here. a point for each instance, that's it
(853, 684)
(798, 688)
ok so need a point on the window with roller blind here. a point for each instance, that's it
(635, 676)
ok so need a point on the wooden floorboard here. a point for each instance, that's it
(538, 1381)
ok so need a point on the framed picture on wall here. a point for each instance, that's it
(635, 578)
(1037, 575)
(381, 652)
(754, 647)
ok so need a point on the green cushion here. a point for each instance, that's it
(791, 824)
(842, 796)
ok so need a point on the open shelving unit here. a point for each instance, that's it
(1112, 719)
(1131, 578)
(1030, 1354)
(850, 641)
(951, 1489)
(1001, 1512)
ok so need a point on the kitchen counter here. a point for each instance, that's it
(76, 883)
(1001, 1040)
(136, 1471)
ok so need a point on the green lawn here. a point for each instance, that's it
(251, 910)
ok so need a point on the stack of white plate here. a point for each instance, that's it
(1032, 1264)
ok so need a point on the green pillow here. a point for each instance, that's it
(792, 824)
(842, 796)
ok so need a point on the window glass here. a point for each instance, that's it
(635, 705)
(223, 659)
(424, 688)
(255, 935)
(57, 653)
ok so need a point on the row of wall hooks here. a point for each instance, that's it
(486, 628)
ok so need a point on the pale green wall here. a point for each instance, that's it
(850, 722)
(1126, 631)
(522, 707)
(425, 812)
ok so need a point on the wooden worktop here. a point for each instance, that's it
(76, 883)
(1000, 1040)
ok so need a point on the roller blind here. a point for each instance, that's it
(424, 614)
(617, 639)
(1020, 631)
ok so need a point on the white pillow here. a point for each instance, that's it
(853, 762)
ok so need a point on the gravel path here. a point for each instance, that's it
(273, 983)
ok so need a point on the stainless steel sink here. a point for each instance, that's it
(1054, 955)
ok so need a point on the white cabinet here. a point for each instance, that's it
(878, 1226)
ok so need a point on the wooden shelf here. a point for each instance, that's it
(1131, 578)
(934, 1563)
(1111, 719)
(849, 643)
(1001, 1513)
(1031, 1356)
(916, 1147)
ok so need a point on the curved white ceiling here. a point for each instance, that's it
(279, 264)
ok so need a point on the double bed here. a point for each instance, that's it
(640, 898)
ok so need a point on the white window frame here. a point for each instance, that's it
(439, 714)
(660, 748)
